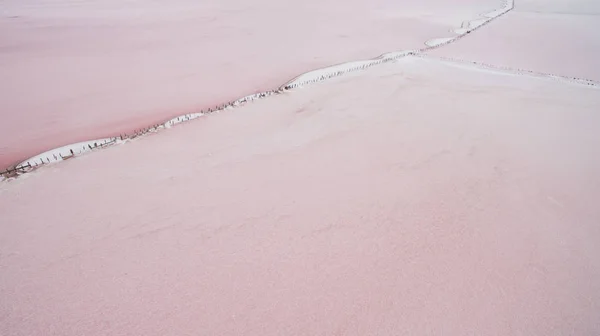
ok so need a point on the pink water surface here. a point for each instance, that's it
(74, 71)
(415, 199)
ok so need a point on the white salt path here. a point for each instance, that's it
(470, 26)
(309, 77)
(438, 41)
(58, 154)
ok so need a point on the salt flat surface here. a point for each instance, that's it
(415, 198)
(556, 37)
(79, 70)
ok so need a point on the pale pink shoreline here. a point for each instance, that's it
(99, 69)
(359, 206)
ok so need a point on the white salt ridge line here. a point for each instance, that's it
(495, 13)
(309, 77)
(324, 73)
(508, 5)
(515, 71)
(340, 69)
(477, 23)
(64, 152)
(396, 54)
(439, 41)
(191, 116)
(464, 28)
(246, 99)
(181, 118)
(469, 26)
(255, 96)
(58, 154)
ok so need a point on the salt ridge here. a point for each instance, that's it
(318, 75)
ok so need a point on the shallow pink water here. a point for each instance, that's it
(90, 69)
(418, 198)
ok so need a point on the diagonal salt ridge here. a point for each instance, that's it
(516, 71)
(470, 26)
(72, 150)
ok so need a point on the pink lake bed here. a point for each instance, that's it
(419, 197)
